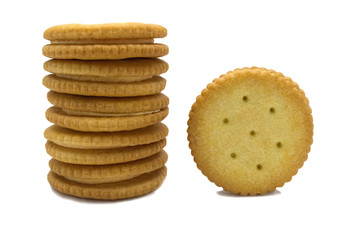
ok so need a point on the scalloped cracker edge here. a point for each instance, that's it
(104, 89)
(133, 68)
(103, 124)
(103, 156)
(138, 186)
(104, 52)
(108, 104)
(131, 30)
(89, 174)
(104, 140)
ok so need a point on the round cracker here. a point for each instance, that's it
(117, 41)
(103, 124)
(127, 70)
(89, 174)
(103, 156)
(104, 52)
(250, 131)
(106, 79)
(103, 140)
(138, 186)
(108, 31)
(109, 104)
(104, 89)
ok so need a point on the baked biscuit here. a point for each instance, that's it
(103, 156)
(108, 106)
(126, 70)
(101, 123)
(111, 32)
(134, 187)
(103, 140)
(104, 51)
(89, 174)
(104, 89)
(250, 130)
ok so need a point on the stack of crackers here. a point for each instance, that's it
(107, 139)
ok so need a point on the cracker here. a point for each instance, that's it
(88, 140)
(106, 79)
(108, 31)
(89, 174)
(109, 104)
(103, 124)
(250, 130)
(138, 186)
(136, 69)
(104, 52)
(104, 41)
(105, 89)
(103, 156)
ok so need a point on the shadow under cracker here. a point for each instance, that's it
(229, 194)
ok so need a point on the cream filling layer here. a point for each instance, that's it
(104, 79)
(106, 41)
(93, 114)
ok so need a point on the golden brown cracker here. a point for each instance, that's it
(90, 174)
(105, 89)
(109, 104)
(250, 130)
(104, 41)
(103, 156)
(103, 124)
(105, 140)
(108, 31)
(106, 79)
(104, 52)
(126, 70)
(138, 186)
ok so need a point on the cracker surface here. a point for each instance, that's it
(134, 187)
(103, 124)
(103, 156)
(104, 51)
(105, 140)
(150, 86)
(107, 31)
(109, 104)
(136, 68)
(250, 130)
(90, 174)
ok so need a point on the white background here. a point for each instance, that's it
(316, 43)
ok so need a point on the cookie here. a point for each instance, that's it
(126, 70)
(87, 123)
(250, 130)
(104, 52)
(109, 106)
(102, 140)
(111, 32)
(138, 186)
(105, 89)
(103, 156)
(89, 174)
